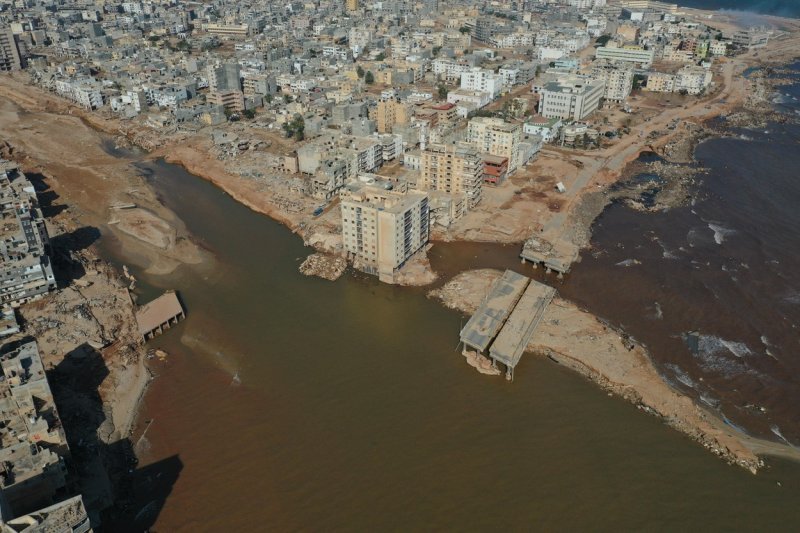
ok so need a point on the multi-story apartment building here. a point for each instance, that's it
(26, 272)
(226, 86)
(660, 82)
(571, 97)
(227, 30)
(84, 92)
(390, 111)
(496, 137)
(10, 58)
(718, 48)
(230, 100)
(693, 80)
(359, 38)
(383, 228)
(629, 54)
(690, 79)
(452, 169)
(478, 79)
(618, 80)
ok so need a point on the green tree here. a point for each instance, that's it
(369, 78)
(287, 98)
(249, 114)
(464, 29)
(380, 57)
(268, 98)
(442, 92)
(603, 40)
(360, 71)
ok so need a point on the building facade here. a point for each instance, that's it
(496, 137)
(10, 58)
(571, 98)
(452, 169)
(383, 228)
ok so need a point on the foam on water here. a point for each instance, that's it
(719, 355)
(682, 376)
(720, 232)
(777, 431)
(659, 313)
(792, 298)
(629, 263)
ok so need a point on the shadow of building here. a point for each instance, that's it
(118, 495)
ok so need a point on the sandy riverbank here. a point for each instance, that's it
(577, 339)
(92, 182)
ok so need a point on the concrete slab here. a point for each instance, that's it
(493, 312)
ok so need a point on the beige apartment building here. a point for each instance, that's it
(452, 169)
(390, 112)
(230, 100)
(9, 52)
(495, 136)
(383, 228)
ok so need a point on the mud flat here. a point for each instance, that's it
(577, 339)
(91, 182)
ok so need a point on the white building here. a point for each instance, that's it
(718, 48)
(546, 128)
(629, 54)
(449, 70)
(618, 80)
(85, 93)
(476, 98)
(478, 79)
(571, 97)
(693, 80)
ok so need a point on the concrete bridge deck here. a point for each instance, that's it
(507, 319)
(520, 326)
(484, 325)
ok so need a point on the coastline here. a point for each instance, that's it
(575, 338)
(599, 169)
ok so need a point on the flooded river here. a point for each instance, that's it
(296, 403)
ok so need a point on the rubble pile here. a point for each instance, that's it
(325, 266)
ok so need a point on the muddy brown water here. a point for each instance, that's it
(297, 403)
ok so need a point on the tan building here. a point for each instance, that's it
(227, 30)
(230, 100)
(452, 169)
(9, 51)
(390, 112)
(352, 5)
(383, 228)
(495, 136)
(629, 32)
(660, 82)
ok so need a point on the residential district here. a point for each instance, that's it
(396, 118)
